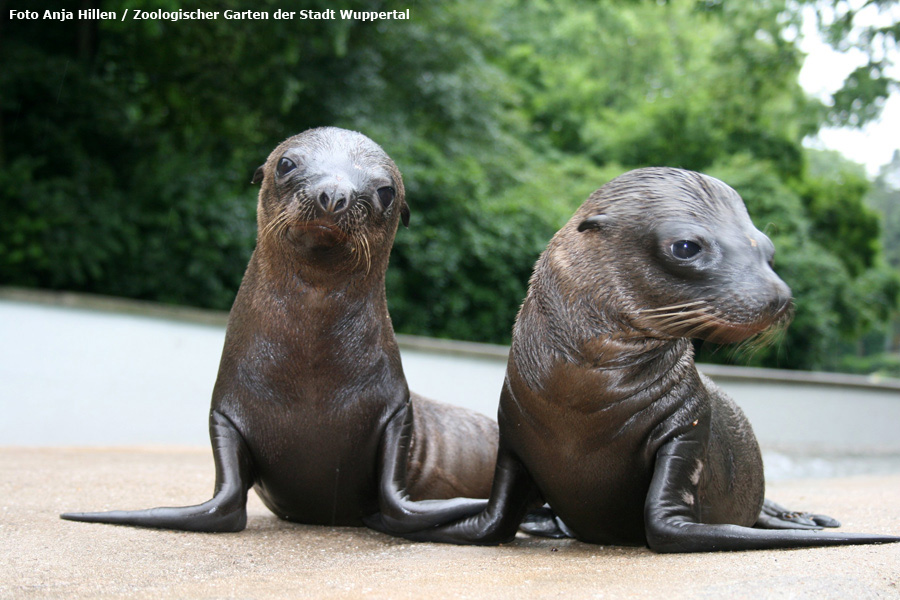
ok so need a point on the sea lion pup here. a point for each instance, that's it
(311, 405)
(603, 413)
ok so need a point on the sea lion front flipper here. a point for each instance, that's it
(514, 492)
(225, 512)
(775, 516)
(671, 513)
(398, 514)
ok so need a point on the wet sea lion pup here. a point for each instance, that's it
(603, 414)
(311, 405)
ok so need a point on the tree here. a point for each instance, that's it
(126, 148)
(872, 27)
(884, 198)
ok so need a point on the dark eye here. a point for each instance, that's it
(685, 249)
(285, 165)
(386, 195)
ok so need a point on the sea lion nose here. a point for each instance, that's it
(334, 197)
(780, 296)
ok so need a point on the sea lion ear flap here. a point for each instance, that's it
(259, 174)
(595, 222)
(404, 214)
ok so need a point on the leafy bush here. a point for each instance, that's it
(126, 149)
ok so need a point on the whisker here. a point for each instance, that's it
(368, 254)
(357, 249)
(700, 320)
(772, 335)
(674, 317)
(275, 226)
(698, 328)
(673, 307)
(687, 317)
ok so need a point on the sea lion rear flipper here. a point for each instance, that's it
(672, 523)
(225, 512)
(775, 516)
(543, 522)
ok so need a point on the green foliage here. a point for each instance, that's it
(817, 278)
(642, 84)
(884, 198)
(848, 24)
(462, 268)
(883, 365)
(866, 82)
(126, 148)
(827, 252)
(834, 195)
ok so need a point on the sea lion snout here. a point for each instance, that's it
(333, 196)
(748, 270)
(779, 310)
(780, 293)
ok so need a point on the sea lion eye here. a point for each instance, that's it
(685, 249)
(285, 165)
(386, 195)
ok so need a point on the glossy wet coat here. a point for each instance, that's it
(603, 414)
(311, 405)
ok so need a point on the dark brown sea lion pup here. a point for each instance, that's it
(311, 405)
(603, 414)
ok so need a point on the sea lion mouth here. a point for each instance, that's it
(325, 235)
(298, 227)
(316, 226)
(720, 331)
(699, 319)
(320, 232)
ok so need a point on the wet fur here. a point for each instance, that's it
(603, 413)
(311, 406)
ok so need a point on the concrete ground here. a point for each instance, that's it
(42, 556)
(103, 405)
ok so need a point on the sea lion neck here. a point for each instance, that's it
(558, 334)
(587, 313)
(302, 322)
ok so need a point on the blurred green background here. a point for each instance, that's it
(126, 149)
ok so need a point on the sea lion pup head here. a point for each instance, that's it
(331, 200)
(668, 253)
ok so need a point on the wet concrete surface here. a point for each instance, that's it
(42, 556)
(132, 392)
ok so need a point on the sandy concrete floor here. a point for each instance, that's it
(42, 556)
